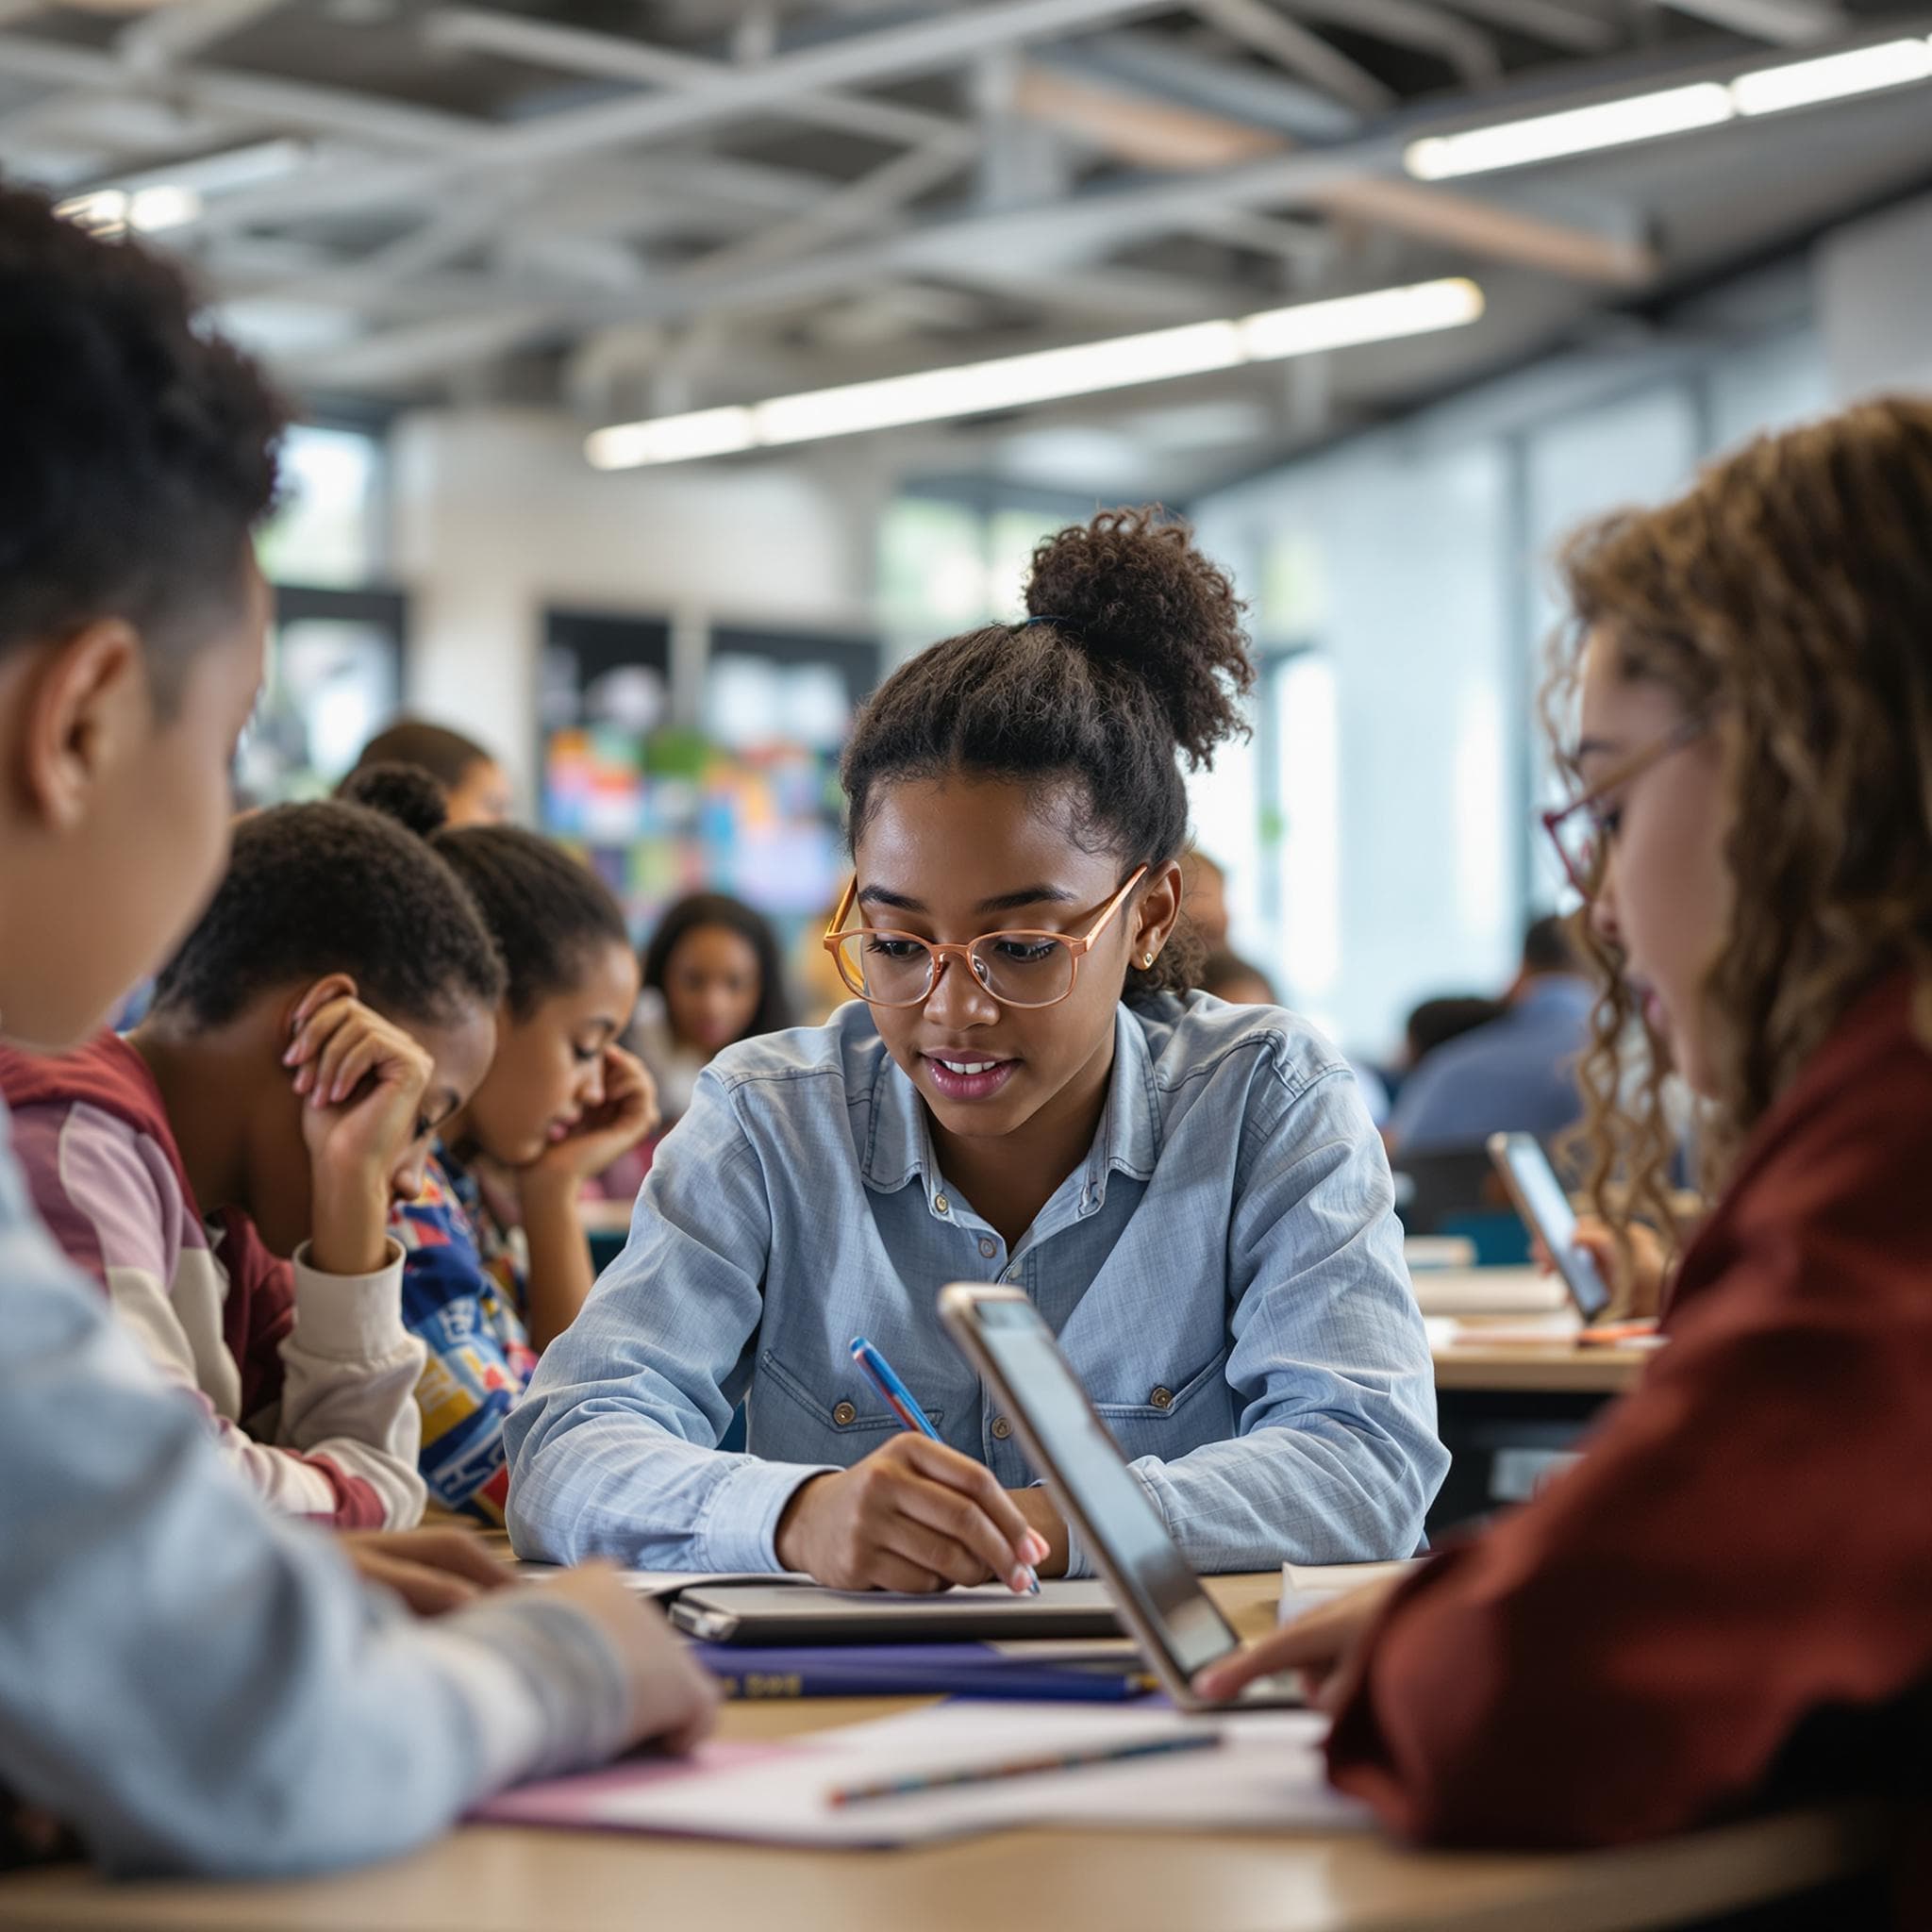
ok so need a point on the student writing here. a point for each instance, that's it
(1191, 1193)
(188, 1681)
(1726, 1600)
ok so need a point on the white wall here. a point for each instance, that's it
(1412, 610)
(1874, 283)
(495, 514)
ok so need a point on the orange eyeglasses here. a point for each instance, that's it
(1019, 968)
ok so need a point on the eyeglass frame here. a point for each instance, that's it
(1687, 731)
(937, 950)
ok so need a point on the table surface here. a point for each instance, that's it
(1552, 1364)
(497, 1879)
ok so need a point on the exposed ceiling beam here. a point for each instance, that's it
(1157, 64)
(1428, 28)
(1301, 52)
(1549, 21)
(253, 97)
(1784, 23)
(908, 50)
(402, 357)
(872, 199)
(573, 50)
(170, 35)
(1125, 122)
(1491, 232)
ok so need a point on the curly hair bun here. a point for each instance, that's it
(1133, 592)
(403, 793)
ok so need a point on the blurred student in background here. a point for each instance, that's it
(712, 976)
(496, 1263)
(1723, 1605)
(1203, 900)
(476, 789)
(1517, 1074)
(1229, 978)
(187, 1681)
(1434, 1023)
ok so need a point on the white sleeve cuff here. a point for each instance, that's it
(351, 1317)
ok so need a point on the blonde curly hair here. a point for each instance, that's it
(1788, 597)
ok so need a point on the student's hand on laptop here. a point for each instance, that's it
(1324, 1645)
(673, 1700)
(913, 1516)
(431, 1569)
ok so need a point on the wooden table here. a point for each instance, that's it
(1494, 1395)
(492, 1880)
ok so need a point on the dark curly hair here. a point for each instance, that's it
(338, 886)
(774, 1011)
(447, 756)
(544, 910)
(140, 446)
(1133, 656)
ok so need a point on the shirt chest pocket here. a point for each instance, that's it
(837, 1424)
(1175, 1416)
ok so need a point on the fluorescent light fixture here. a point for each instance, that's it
(1011, 382)
(1674, 110)
(1579, 130)
(146, 210)
(672, 439)
(1832, 76)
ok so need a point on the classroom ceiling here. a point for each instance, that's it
(634, 207)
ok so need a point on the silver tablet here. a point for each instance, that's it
(1159, 1599)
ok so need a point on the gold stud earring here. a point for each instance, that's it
(1148, 960)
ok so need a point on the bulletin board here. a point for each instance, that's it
(731, 787)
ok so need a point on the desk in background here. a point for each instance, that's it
(495, 1880)
(1502, 1407)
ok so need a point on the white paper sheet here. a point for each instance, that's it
(1267, 1775)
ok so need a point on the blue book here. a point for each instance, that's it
(922, 1670)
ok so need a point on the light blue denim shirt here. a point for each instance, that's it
(1223, 1270)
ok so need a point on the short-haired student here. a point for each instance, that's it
(1191, 1192)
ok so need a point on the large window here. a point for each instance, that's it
(948, 561)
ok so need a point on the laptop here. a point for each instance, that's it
(1159, 1598)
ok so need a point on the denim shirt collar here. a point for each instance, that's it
(1127, 1139)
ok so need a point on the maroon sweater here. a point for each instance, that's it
(1728, 1599)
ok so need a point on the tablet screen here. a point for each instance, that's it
(1088, 1464)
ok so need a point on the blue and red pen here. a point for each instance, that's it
(902, 1404)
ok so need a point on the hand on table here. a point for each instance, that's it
(1323, 1645)
(431, 1569)
(673, 1700)
(914, 1515)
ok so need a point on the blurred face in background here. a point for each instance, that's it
(712, 988)
(1203, 900)
(482, 796)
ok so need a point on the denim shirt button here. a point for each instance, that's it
(1161, 1398)
(940, 1205)
(988, 1248)
(844, 1415)
(1001, 1428)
